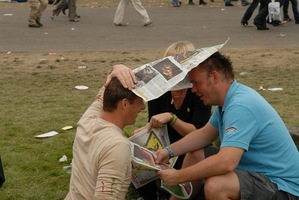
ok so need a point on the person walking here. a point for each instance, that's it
(248, 13)
(286, 16)
(62, 6)
(121, 9)
(37, 7)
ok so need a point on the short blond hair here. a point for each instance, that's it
(179, 47)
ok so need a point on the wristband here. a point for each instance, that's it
(173, 120)
(170, 152)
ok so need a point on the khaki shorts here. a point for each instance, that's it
(254, 186)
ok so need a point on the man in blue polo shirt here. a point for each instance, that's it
(257, 158)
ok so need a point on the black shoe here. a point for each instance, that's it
(245, 4)
(202, 3)
(74, 20)
(34, 26)
(191, 3)
(38, 22)
(261, 27)
(287, 19)
(297, 22)
(274, 22)
(229, 4)
(121, 24)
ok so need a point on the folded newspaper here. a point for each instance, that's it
(153, 140)
(160, 76)
(144, 159)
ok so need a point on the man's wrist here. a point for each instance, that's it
(170, 152)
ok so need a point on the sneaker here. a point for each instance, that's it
(191, 3)
(246, 24)
(148, 23)
(297, 22)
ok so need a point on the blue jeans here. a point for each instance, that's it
(229, 1)
(294, 7)
(247, 15)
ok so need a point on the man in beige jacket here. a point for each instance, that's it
(101, 165)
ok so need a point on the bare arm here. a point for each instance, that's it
(220, 164)
(193, 141)
(180, 126)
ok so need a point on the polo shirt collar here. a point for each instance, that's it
(230, 94)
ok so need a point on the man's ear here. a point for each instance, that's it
(215, 77)
(123, 103)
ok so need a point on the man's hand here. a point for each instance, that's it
(162, 156)
(169, 176)
(124, 74)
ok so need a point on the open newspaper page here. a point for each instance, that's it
(153, 140)
(181, 191)
(144, 160)
(144, 166)
(158, 77)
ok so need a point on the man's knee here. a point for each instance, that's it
(194, 156)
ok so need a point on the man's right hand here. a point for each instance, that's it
(124, 74)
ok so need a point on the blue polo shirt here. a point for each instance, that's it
(249, 122)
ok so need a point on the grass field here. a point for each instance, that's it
(38, 96)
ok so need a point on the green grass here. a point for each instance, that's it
(38, 95)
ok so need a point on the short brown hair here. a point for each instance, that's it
(115, 92)
(220, 63)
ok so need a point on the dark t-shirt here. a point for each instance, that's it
(192, 111)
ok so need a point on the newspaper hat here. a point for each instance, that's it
(183, 84)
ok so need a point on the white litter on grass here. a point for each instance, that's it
(63, 158)
(275, 89)
(9, 52)
(8, 14)
(82, 66)
(48, 134)
(270, 89)
(72, 29)
(81, 87)
(243, 74)
(67, 128)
